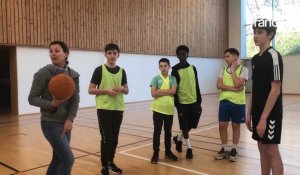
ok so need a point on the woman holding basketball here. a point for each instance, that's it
(56, 115)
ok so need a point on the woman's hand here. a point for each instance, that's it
(56, 102)
(67, 127)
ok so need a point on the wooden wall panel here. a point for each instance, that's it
(138, 26)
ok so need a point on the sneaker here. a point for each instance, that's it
(113, 168)
(222, 154)
(178, 144)
(171, 156)
(105, 171)
(154, 158)
(189, 153)
(233, 155)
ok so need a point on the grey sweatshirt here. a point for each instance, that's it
(39, 95)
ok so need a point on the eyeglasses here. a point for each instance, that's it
(111, 52)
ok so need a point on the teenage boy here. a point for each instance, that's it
(231, 82)
(163, 87)
(187, 99)
(265, 106)
(109, 83)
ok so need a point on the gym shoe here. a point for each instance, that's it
(222, 154)
(233, 155)
(178, 144)
(113, 168)
(154, 158)
(189, 153)
(105, 171)
(171, 156)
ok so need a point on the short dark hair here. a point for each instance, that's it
(183, 47)
(164, 60)
(63, 45)
(232, 51)
(268, 25)
(112, 46)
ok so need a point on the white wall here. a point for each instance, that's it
(291, 76)
(140, 70)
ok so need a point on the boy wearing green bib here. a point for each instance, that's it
(231, 82)
(163, 87)
(109, 84)
(187, 99)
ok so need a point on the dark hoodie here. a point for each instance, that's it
(39, 95)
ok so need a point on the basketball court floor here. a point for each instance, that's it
(25, 151)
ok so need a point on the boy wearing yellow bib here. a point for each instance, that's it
(163, 87)
(231, 82)
(109, 84)
(187, 99)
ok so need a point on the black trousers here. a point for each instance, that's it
(159, 120)
(109, 125)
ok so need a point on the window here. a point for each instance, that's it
(286, 13)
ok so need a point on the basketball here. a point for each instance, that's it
(61, 86)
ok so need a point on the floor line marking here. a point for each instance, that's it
(130, 149)
(124, 152)
(166, 164)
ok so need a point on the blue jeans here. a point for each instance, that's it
(62, 158)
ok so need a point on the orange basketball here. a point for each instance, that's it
(61, 86)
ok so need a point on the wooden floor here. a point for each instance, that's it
(24, 150)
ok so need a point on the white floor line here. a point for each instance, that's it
(163, 140)
(162, 163)
(137, 147)
(166, 164)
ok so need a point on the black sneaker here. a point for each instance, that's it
(113, 168)
(105, 171)
(222, 154)
(233, 155)
(189, 153)
(154, 158)
(171, 156)
(178, 144)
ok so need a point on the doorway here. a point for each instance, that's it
(8, 81)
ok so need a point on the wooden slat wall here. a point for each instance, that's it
(138, 26)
